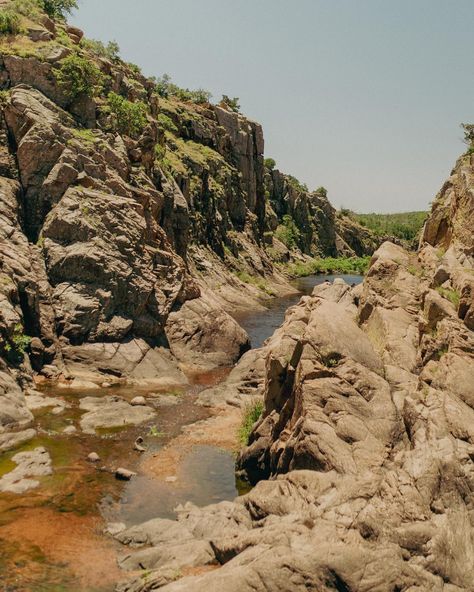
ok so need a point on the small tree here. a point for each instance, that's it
(130, 118)
(79, 76)
(162, 85)
(110, 51)
(322, 191)
(270, 164)
(58, 8)
(233, 104)
(468, 129)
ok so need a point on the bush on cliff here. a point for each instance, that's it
(58, 8)
(270, 164)
(109, 51)
(250, 414)
(9, 23)
(287, 232)
(166, 88)
(130, 118)
(232, 103)
(79, 76)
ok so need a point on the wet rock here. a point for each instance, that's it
(124, 474)
(36, 463)
(11, 440)
(112, 412)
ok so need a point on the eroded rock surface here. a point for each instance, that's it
(363, 457)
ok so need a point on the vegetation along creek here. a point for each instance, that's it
(212, 378)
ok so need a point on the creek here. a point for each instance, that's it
(51, 538)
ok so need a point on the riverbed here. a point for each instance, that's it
(51, 538)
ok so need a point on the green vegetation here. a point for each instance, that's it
(296, 184)
(288, 232)
(167, 123)
(9, 22)
(451, 295)
(79, 76)
(250, 414)
(166, 88)
(30, 8)
(328, 265)
(322, 191)
(405, 226)
(58, 8)
(270, 164)
(468, 129)
(130, 118)
(86, 135)
(109, 51)
(19, 342)
(232, 103)
(256, 281)
(154, 432)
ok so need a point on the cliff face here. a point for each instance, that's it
(363, 456)
(129, 218)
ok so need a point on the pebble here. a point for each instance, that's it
(138, 401)
(70, 430)
(124, 474)
(93, 457)
(172, 479)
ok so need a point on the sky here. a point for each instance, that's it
(363, 97)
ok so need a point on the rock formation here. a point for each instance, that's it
(363, 459)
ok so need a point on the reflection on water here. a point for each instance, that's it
(261, 324)
(206, 475)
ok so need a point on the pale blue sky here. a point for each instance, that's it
(364, 97)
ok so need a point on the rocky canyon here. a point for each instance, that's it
(138, 223)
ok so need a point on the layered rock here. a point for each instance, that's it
(363, 456)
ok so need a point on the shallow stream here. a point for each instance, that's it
(51, 537)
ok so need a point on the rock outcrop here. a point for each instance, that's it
(126, 232)
(363, 459)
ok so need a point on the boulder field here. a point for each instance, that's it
(363, 459)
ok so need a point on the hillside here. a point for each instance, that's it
(405, 226)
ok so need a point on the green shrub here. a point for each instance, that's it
(19, 342)
(9, 23)
(79, 76)
(288, 232)
(270, 164)
(130, 118)
(30, 8)
(167, 123)
(293, 182)
(58, 8)
(328, 265)
(109, 51)
(232, 103)
(405, 225)
(250, 414)
(451, 295)
(166, 88)
(322, 191)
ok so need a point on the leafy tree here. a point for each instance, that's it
(166, 88)
(79, 76)
(322, 191)
(109, 51)
(130, 118)
(58, 8)
(270, 164)
(468, 129)
(232, 103)
(288, 232)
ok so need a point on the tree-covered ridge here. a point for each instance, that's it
(405, 225)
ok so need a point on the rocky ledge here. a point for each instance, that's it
(363, 457)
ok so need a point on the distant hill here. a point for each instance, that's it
(405, 225)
